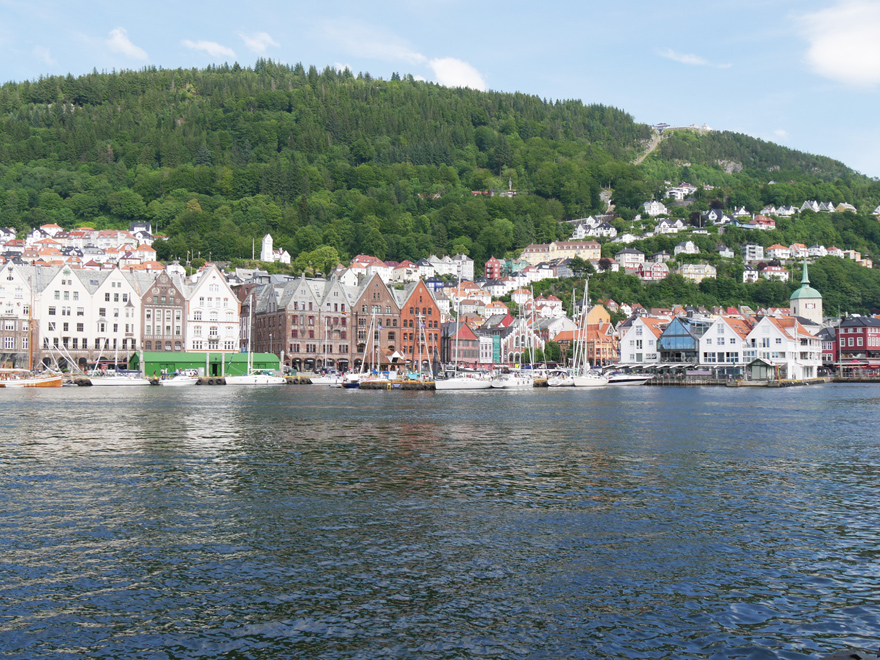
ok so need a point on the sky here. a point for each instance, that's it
(801, 73)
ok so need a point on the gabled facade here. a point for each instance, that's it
(163, 315)
(212, 314)
(375, 307)
(638, 344)
(787, 346)
(420, 325)
(17, 330)
(724, 342)
(680, 341)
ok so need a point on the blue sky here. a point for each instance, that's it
(802, 73)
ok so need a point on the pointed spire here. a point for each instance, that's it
(805, 279)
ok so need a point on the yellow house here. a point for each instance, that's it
(540, 252)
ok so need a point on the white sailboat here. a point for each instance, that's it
(514, 379)
(330, 377)
(253, 376)
(560, 379)
(582, 375)
(463, 380)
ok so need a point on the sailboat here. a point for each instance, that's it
(254, 377)
(26, 377)
(330, 377)
(12, 378)
(116, 378)
(517, 379)
(461, 381)
(583, 376)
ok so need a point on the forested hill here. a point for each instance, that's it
(330, 163)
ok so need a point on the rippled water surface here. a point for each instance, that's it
(307, 522)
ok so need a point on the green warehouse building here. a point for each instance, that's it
(209, 365)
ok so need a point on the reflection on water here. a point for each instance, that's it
(307, 522)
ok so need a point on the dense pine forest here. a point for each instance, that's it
(333, 164)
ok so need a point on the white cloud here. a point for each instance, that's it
(341, 67)
(212, 48)
(258, 41)
(692, 60)
(457, 73)
(364, 41)
(120, 43)
(843, 42)
(781, 133)
(42, 53)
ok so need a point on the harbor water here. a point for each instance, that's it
(307, 522)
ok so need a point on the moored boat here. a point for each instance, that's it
(14, 378)
(117, 379)
(513, 380)
(463, 381)
(560, 379)
(589, 379)
(256, 378)
(621, 378)
(180, 380)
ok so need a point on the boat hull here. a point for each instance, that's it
(121, 381)
(462, 383)
(513, 383)
(589, 381)
(52, 381)
(179, 381)
(255, 379)
(626, 381)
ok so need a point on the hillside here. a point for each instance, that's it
(334, 164)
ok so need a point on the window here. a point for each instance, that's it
(212, 331)
(197, 316)
(80, 311)
(51, 311)
(106, 297)
(57, 295)
(8, 343)
(778, 341)
(80, 327)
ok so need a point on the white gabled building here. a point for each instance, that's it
(787, 345)
(212, 318)
(654, 208)
(86, 315)
(16, 297)
(724, 342)
(638, 344)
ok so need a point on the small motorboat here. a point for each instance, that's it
(180, 380)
